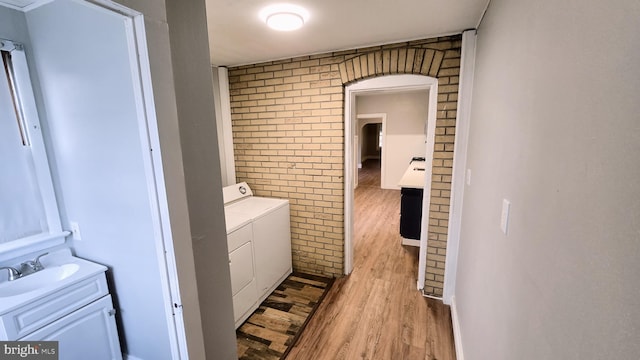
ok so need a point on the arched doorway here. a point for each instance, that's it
(389, 83)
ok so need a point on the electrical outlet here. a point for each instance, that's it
(75, 231)
(504, 218)
(468, 177)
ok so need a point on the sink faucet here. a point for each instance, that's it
(26, 268)
(13, 272)
(31, 266)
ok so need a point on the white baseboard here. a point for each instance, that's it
(411, 242)
(130, 357)
(457, 336)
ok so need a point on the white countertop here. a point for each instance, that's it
(414, 176)
(61, 270)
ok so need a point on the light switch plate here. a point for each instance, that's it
(504, 218)
(75, 230)
(468, 177)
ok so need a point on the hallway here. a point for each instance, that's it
(376, 312)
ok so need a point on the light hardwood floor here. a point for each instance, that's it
(376, 312)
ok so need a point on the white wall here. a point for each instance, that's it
(82, 60)
(196, 112)
(164, 92)
(407, 114)
(13, 25)
(554, 129)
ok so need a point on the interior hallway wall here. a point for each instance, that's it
(200, 151)
(555, 130)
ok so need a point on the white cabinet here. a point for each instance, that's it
(79, 316)
(87, 333)
(35, 314)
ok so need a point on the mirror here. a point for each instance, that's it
(29, 218)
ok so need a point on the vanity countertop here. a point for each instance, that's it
(61, 270)
(414, 175)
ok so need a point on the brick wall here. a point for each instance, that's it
(288, 130)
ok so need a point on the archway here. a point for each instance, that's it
(390, 83)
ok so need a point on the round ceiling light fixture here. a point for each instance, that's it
(284, 17)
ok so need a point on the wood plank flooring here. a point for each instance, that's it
(269, 332)
(376, 312)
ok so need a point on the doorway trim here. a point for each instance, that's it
(459, 174)
(385, 84)
(152, 160)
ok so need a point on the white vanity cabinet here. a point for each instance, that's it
(77, 311)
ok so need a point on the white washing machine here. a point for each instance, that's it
(270, 239)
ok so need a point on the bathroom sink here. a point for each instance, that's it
(61, 269)
(38, 280)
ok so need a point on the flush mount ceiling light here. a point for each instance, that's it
(284, 17)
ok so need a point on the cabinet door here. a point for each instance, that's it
(411, 213)
(88, 333)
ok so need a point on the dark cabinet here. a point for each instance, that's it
(411, 213)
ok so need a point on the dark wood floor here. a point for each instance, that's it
(274, 326)
(376, 312)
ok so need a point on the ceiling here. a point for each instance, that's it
(237, 35)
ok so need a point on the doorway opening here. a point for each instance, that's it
(385, 85)
(369, 142)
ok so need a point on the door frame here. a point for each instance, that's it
(385, 84)
(458, 176)
(152, 158)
